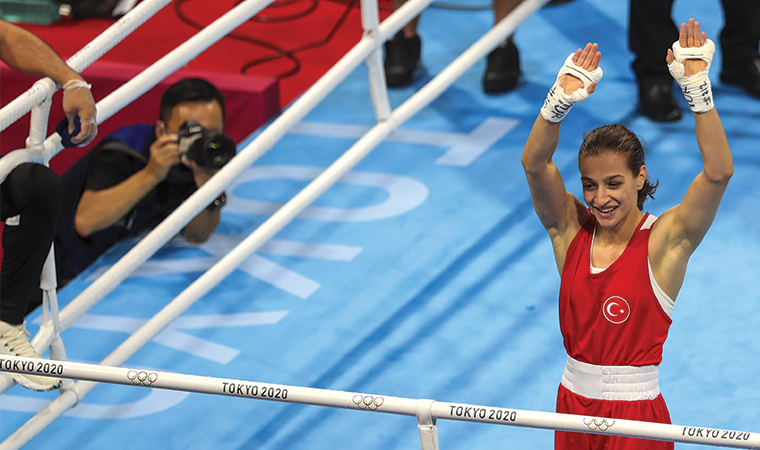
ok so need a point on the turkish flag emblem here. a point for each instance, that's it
(616, 310)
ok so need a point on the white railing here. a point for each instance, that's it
(426, 411)
(366, 50)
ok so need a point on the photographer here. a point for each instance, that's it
(138, 175)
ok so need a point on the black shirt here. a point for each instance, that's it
(116, 158)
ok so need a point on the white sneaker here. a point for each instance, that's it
(14, 340)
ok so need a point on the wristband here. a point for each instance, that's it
(217, 204)
(71, 84)
(557, 102)
(63, 129)
(696, 88)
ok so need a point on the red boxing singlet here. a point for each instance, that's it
(612, 318)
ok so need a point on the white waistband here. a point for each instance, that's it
(611, 382)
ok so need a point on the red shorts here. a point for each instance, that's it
(647, 410)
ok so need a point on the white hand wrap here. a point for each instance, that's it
(72, 84)
(557, 102)
(696, 88)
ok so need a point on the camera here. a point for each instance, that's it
(207, 148)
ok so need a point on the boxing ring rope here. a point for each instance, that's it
(210, 190)
(426, 411)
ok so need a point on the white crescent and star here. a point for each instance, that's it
(609, 309)
(616, 310)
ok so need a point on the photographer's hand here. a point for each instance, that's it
(100, 209)
(164, 153)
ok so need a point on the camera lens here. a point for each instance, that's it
(214, 151)
(209, 149)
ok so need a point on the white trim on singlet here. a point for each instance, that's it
(665, 301)
(629, 383)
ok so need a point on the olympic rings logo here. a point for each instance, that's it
(142, 378)
(368, 402)
(594, 424)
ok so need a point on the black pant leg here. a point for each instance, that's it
(33, 193)
(651, 32)
(741, 34)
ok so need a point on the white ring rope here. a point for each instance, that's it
(380, 403)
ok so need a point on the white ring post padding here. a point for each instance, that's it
(17, 157)
(82, 59)
(49, 280)
(38, 122)
(370, 15)
(48, 285)
(426, 425)
(427, 411)
(378, 89)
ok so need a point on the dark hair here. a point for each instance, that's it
(189, 90)
(618, 139)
